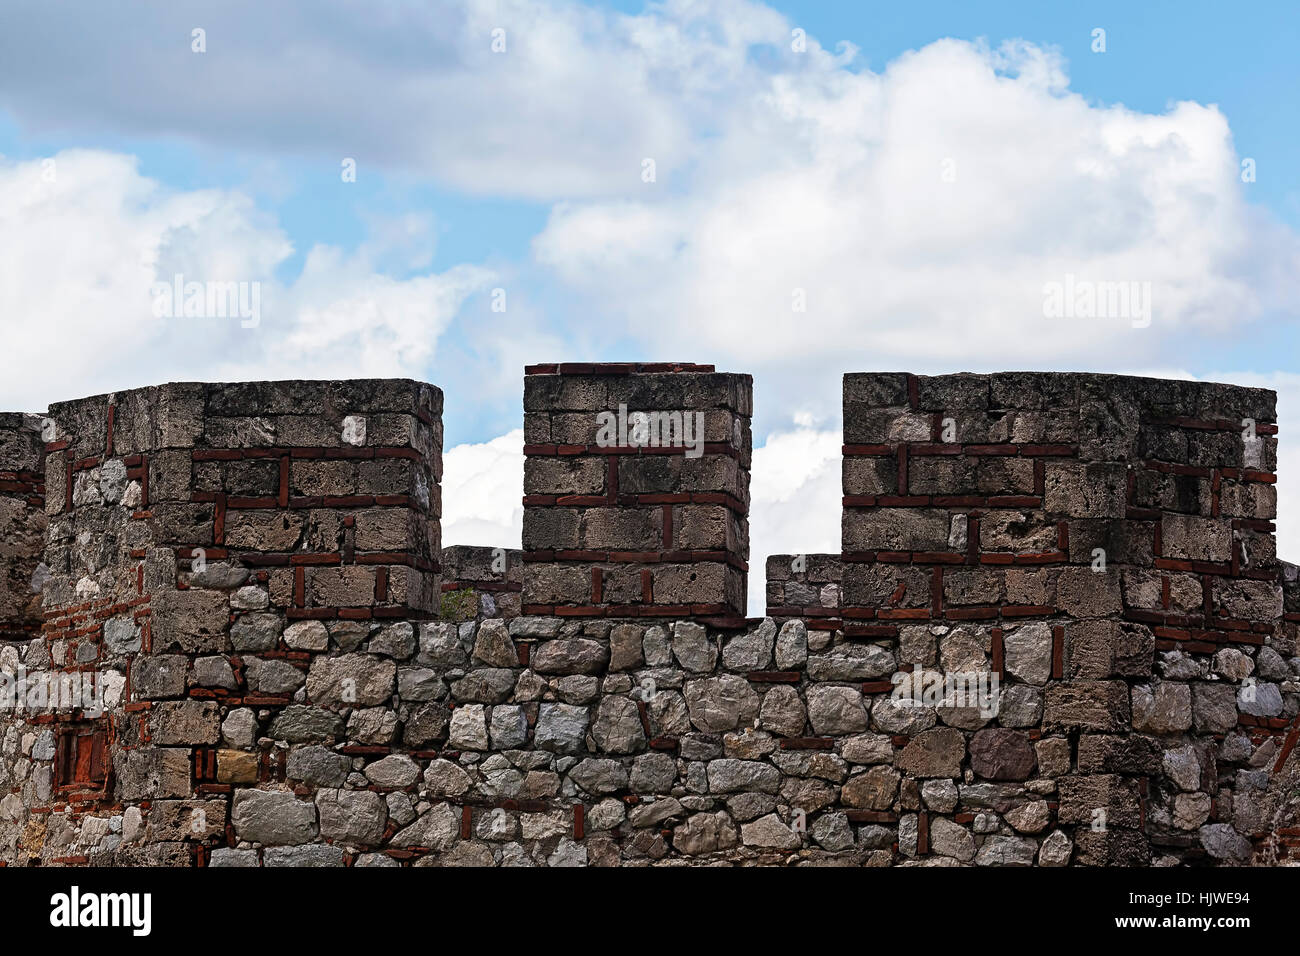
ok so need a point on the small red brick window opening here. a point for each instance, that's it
(81, 761)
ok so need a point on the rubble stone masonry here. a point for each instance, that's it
(1057, 632)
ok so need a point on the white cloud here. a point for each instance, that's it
(482, 492)
(834, 185)
(795, 494)
(81, 251)
(572, 105)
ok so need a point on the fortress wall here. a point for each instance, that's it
(199, 537)
(967, 683)
(1104, 544)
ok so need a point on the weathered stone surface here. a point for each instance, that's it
(185, 722)
(397, 641)
(468, 729)
(751, 651)
(354, 817)
(273, 818)
(317, 766)
(273, 677)
(1087, 705)
(692, 648)
(721, 703)
(393, 772)
(1028, 652)
(934, 753)
(951, 839)
(1006, 851)
(561, 728)
(1163, 708)
(733, 776)
(1214, 708)
(1032, 817)
(625, 647)
(836, 710)
(783, 712)
(901, 717)
(307, 636)
(704, 833)
(792, 645)
(437, 828)
(493, 645)
(599, 775)
(617, 728)
(769, 832)
(873, 789)
(355, 679)
(445, 779)
(299, 723)
(570, 656)
(1222, 842)
(163, 675)
(1056, 849)
(997, 754)
(508, 727)
(849, 662)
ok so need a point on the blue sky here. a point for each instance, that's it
(917, 174)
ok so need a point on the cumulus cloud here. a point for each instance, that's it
(914, 218)
(482, 492)
(565, 100)
(794, 501)
(86, 243)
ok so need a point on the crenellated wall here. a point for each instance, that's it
(1057, 634)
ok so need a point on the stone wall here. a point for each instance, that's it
(198, 538)
(22, 524)
(1104, 544)
(1057, 634)
(481, 582)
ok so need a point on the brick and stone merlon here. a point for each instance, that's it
(1057, 632)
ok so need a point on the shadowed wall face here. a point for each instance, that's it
(636, 491)
(22, 524)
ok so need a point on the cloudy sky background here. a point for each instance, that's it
(919, 173)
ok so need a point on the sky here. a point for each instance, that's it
(451, 190)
